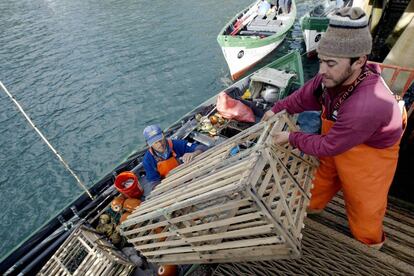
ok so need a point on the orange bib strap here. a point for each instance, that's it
(364, 174)
(165, 166)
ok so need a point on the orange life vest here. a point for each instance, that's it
(165, 166)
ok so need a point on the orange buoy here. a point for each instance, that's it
(117, 203)
(167, 270)
(160, 230)
(127, 183)
(124, 216)
(213, 119)
(130, 204)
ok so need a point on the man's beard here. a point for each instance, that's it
(342, 78)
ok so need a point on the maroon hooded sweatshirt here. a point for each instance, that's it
(370, 116)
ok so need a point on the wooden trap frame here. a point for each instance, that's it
(242, 200)
(87, 252)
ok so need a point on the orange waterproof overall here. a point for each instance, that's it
(165, 166)
(364, 174)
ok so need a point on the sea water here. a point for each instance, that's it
(92, 74)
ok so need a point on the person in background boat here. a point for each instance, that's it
(284, 6)
(362, 124)
(163, 154)
(263, 8)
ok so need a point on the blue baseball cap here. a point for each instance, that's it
(153, 134)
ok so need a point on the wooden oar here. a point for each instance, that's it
(243, 23)
(254, 8)
(245, 19)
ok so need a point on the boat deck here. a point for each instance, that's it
(328, 248)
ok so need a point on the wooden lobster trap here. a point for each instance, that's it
(243, 200)
(86, 252)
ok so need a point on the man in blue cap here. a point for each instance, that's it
(163, 154)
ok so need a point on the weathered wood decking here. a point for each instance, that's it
(328, 248)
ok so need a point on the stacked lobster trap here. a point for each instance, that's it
(87, 252)
(242, 200)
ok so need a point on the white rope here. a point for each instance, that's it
(46, 141)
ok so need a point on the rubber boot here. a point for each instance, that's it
(376, 246)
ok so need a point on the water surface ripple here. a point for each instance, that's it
(92, 74)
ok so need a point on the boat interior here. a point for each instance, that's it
(73, 240)
(259, 25)
(328, 6)
(323, 9)
(205, 125)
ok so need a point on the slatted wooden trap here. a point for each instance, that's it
(86, 252)
(239, 201)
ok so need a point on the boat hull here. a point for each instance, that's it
(242, 52)
(241, 59)
(313, 28)
(311, 38)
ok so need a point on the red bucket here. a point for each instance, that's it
(127, 183)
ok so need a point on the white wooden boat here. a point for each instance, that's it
(250, 36)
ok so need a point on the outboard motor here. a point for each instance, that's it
(270, 94)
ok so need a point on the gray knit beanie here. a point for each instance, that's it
(347, 35)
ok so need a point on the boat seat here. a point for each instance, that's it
(264, 25)
(256, 33)
(258, 22)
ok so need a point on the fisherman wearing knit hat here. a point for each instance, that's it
(347, 36)
(361, 126)
(343, 49)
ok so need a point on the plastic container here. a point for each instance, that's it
(167, 270)
(127, 183)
